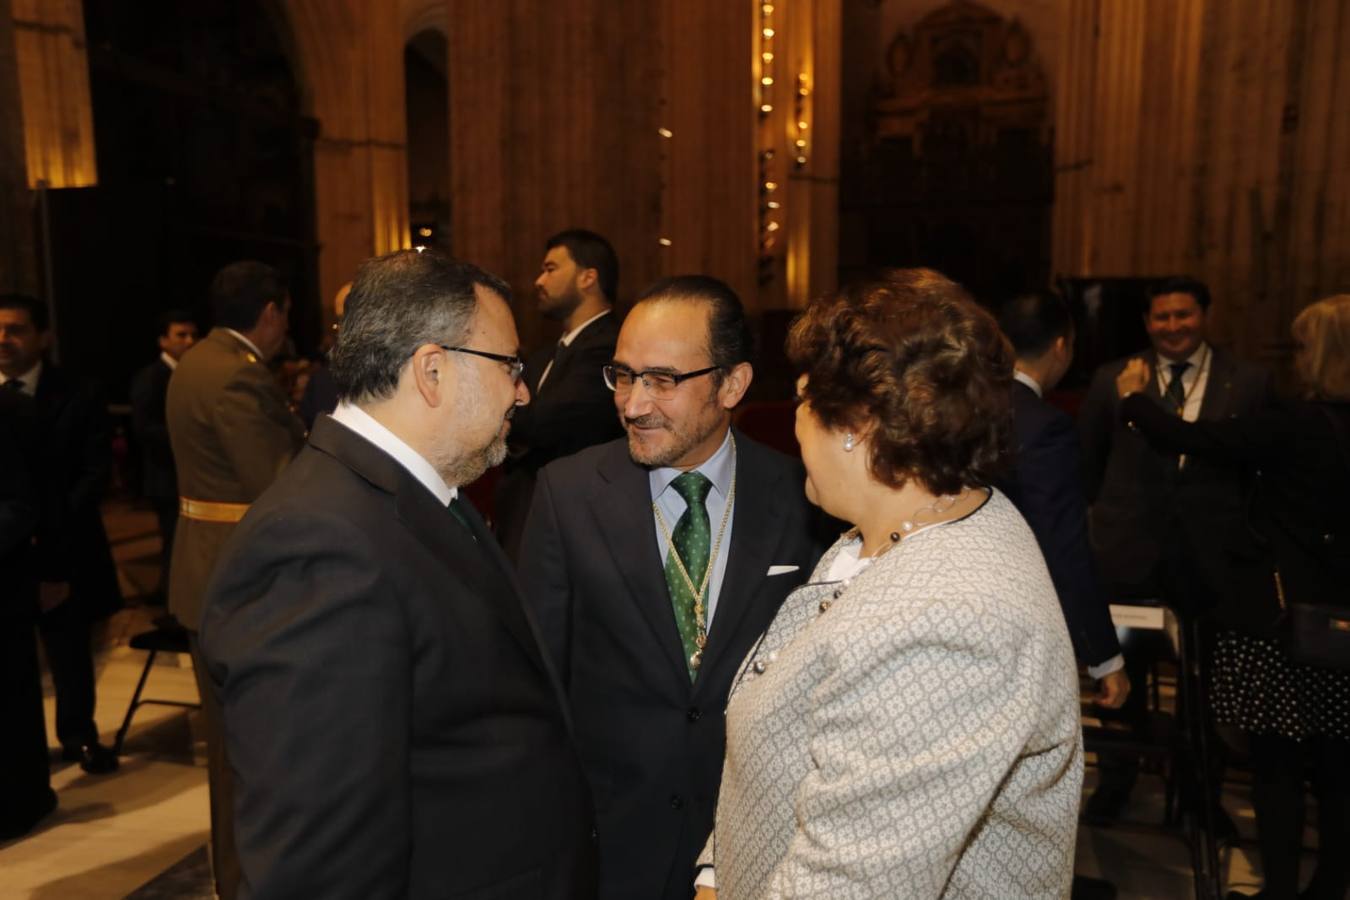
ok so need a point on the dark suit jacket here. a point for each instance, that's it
(573, 411)
(1154, 525)
(1299, 516)
(393, 725)
(1046, 484)
(73, 469)
(148, 390)
(651, 742)
(18, 515)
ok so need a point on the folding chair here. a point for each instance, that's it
(169, 639)
(1175, 741)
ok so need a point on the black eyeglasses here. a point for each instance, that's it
(515, 363)
(660, 385)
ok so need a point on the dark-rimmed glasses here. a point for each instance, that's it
(660, 385)
(514, 363)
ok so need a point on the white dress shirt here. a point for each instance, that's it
(1193, 380)
(247, 343)
(720, 469)
(566, 341)
(358, 420)
(29, 379)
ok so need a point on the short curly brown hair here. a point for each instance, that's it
(920, 366)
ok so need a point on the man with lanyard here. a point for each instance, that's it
(1158, 521)
(653, 563)
(232, 433)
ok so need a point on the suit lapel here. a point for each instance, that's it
(470, 553)
(1217, 401)
(759, 502)
(622, 506)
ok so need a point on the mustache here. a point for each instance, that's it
(651, 420)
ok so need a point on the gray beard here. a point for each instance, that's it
(470, 467)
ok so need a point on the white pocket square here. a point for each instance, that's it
(782, 570)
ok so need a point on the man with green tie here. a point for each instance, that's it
(653, 562)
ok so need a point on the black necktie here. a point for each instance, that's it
(548, 366)
(458, 513)
(13, 386)
(1176, 391)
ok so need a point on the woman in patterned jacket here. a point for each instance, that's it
(908, 726)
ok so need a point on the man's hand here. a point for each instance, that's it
(1115, 688)
(1133, 378)
(706, 893)
(52, 594)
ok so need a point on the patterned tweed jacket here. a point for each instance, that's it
(913, 732)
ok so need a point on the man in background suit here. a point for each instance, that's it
(149, 388)
(231, 433)
(77, 578)
(1158, 520)
(571, 408)
(1046, 483)
(396, 728)
(653, 563)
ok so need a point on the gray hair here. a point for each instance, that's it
(398, 302)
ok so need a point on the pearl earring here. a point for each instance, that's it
(848, 442)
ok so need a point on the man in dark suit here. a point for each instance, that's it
(1157, 518)
(149, 388)
(395, 727)
(571, 409)
(77, 577)
(25, 782)
(1046, 483)
(653, 563)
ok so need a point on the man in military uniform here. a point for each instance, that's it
(232, 434)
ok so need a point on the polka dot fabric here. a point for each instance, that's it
(1255, 686)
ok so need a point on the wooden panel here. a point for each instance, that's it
(18, 270)
(712, 197)
(54, 85)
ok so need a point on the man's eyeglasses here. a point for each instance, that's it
(660, 385)
(514, 363)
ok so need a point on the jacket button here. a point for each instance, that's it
(1328, 538)
(694, 715)
(676, 801)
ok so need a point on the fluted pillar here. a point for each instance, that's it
(351, 71)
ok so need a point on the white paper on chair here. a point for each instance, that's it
(1149, 618)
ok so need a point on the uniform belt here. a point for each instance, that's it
(209, 511)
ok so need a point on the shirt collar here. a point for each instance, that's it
(247, 343)
(1019, 375)
(364, 424)
(168, 360)
(567, 339)
(29, 379)
(1195, 359)
(719, 469)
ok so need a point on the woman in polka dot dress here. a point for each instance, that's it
(1296, 716)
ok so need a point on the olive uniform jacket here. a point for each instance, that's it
(232, 434)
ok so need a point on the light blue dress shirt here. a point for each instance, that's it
(720, 469)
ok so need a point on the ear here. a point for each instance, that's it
(734, 385)
(587, 278)
(432, 374)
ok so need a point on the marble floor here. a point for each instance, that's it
(141, 831)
